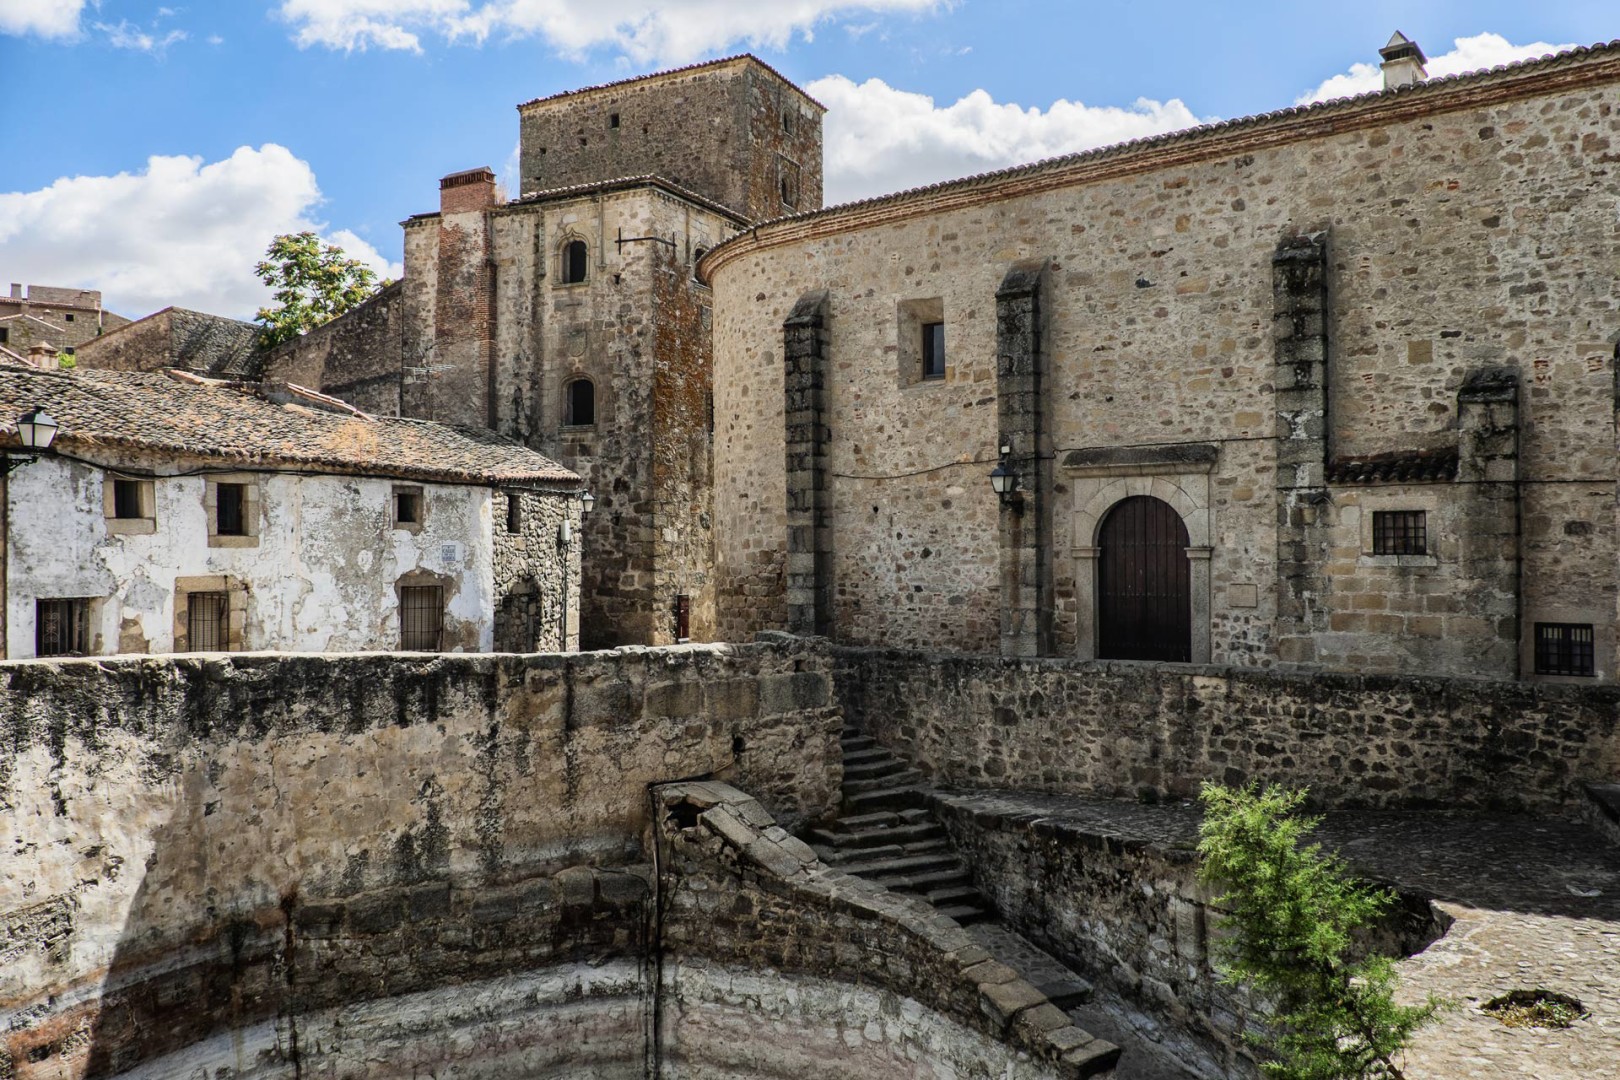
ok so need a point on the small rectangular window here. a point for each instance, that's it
(61, 627)
(229, 508)
(127, 499)
(1400, 532)
(514, 512)
(208, 622)
(407, 506)
(1565, 649)
(5, 334)
(67, 317)
(421, 617)
(933, 350)
(613, 120)
(683, 618)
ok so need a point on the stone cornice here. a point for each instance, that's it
(1551, 75)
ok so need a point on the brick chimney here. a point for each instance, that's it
(467, 192)
(1403, 62)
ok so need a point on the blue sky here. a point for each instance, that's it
(154, 148)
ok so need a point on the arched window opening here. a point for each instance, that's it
(581, 403)
(697, 257)
(574, 262)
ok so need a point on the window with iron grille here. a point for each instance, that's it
(933, 350)
(1400, 532)
(61, 627)
(421, 617)
(208, 622)
(229, 504)
(1564, 649)
(127, 499)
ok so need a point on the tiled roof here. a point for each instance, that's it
(1396, 467)
(701, 65)
(236, 424)
(1436, 91)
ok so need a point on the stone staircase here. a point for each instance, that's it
(886, 834)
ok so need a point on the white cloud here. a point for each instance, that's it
(47, 18)
(667, 32)
(1467, 54)
(879, 139)
(127, 35)
(180, 232)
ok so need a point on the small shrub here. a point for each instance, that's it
(1535, 1008)
(1294, 912)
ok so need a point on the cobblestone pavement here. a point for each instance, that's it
(1536, 905)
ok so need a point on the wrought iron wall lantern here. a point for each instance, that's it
(36, 429)
(1004, 481)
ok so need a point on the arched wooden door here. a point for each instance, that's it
(1144, 589)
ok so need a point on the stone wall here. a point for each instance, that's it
(358, 357)
(536, 571)
(1436, 207)
(1134, 730)
(732, 131)
(258, 843)
(854, 981)
(179, 338)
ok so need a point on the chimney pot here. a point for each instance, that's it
(1403, 62)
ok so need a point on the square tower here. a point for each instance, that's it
(733, 131)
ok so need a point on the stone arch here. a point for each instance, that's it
(580, 401)
(573, 259)
(1177, 475)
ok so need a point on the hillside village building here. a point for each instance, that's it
(176, 514)
(43, 315)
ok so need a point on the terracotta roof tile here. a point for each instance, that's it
(1398, 466)
(238, 425)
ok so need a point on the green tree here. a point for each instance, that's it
(312, 283)
(1294, 913)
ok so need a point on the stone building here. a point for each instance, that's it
(1332, 386)
(64, 319)
(571, 320)
(175, 514)
(175, 337)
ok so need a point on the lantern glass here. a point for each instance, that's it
(36, 428)
(587, 503)
(1002, 480)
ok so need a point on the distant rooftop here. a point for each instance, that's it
(739, 59)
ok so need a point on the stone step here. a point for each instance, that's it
(864, 802)
(916, 816)
(868, 770)
(922, 883)
(1066, 992)
(954, 894)
(854, 740)
(965, 914)
(904, 778)
(860, 823)
(906, 866)
(861, 757)
(881, 836)
(851, 857)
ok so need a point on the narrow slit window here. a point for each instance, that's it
(683, 618)
(1565, 649)
(61, 627)
(229, 507)
(613, 120)
(933, 350)
(581, 403)
(1400, 532)
(514, 512)
(421, 617)
(575, 262)
(208, 622)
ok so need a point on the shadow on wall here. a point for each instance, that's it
(238, 864)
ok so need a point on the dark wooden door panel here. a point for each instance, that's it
(1144, 593)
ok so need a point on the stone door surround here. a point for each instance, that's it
(1177, 474)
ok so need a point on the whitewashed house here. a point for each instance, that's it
(175, 514)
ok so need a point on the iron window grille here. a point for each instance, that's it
(208, 622)
(61, 627)
(1400, 532)
(127, 499)
(421, 617)
(1565, 649)
(229, 500)
(933, 350)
